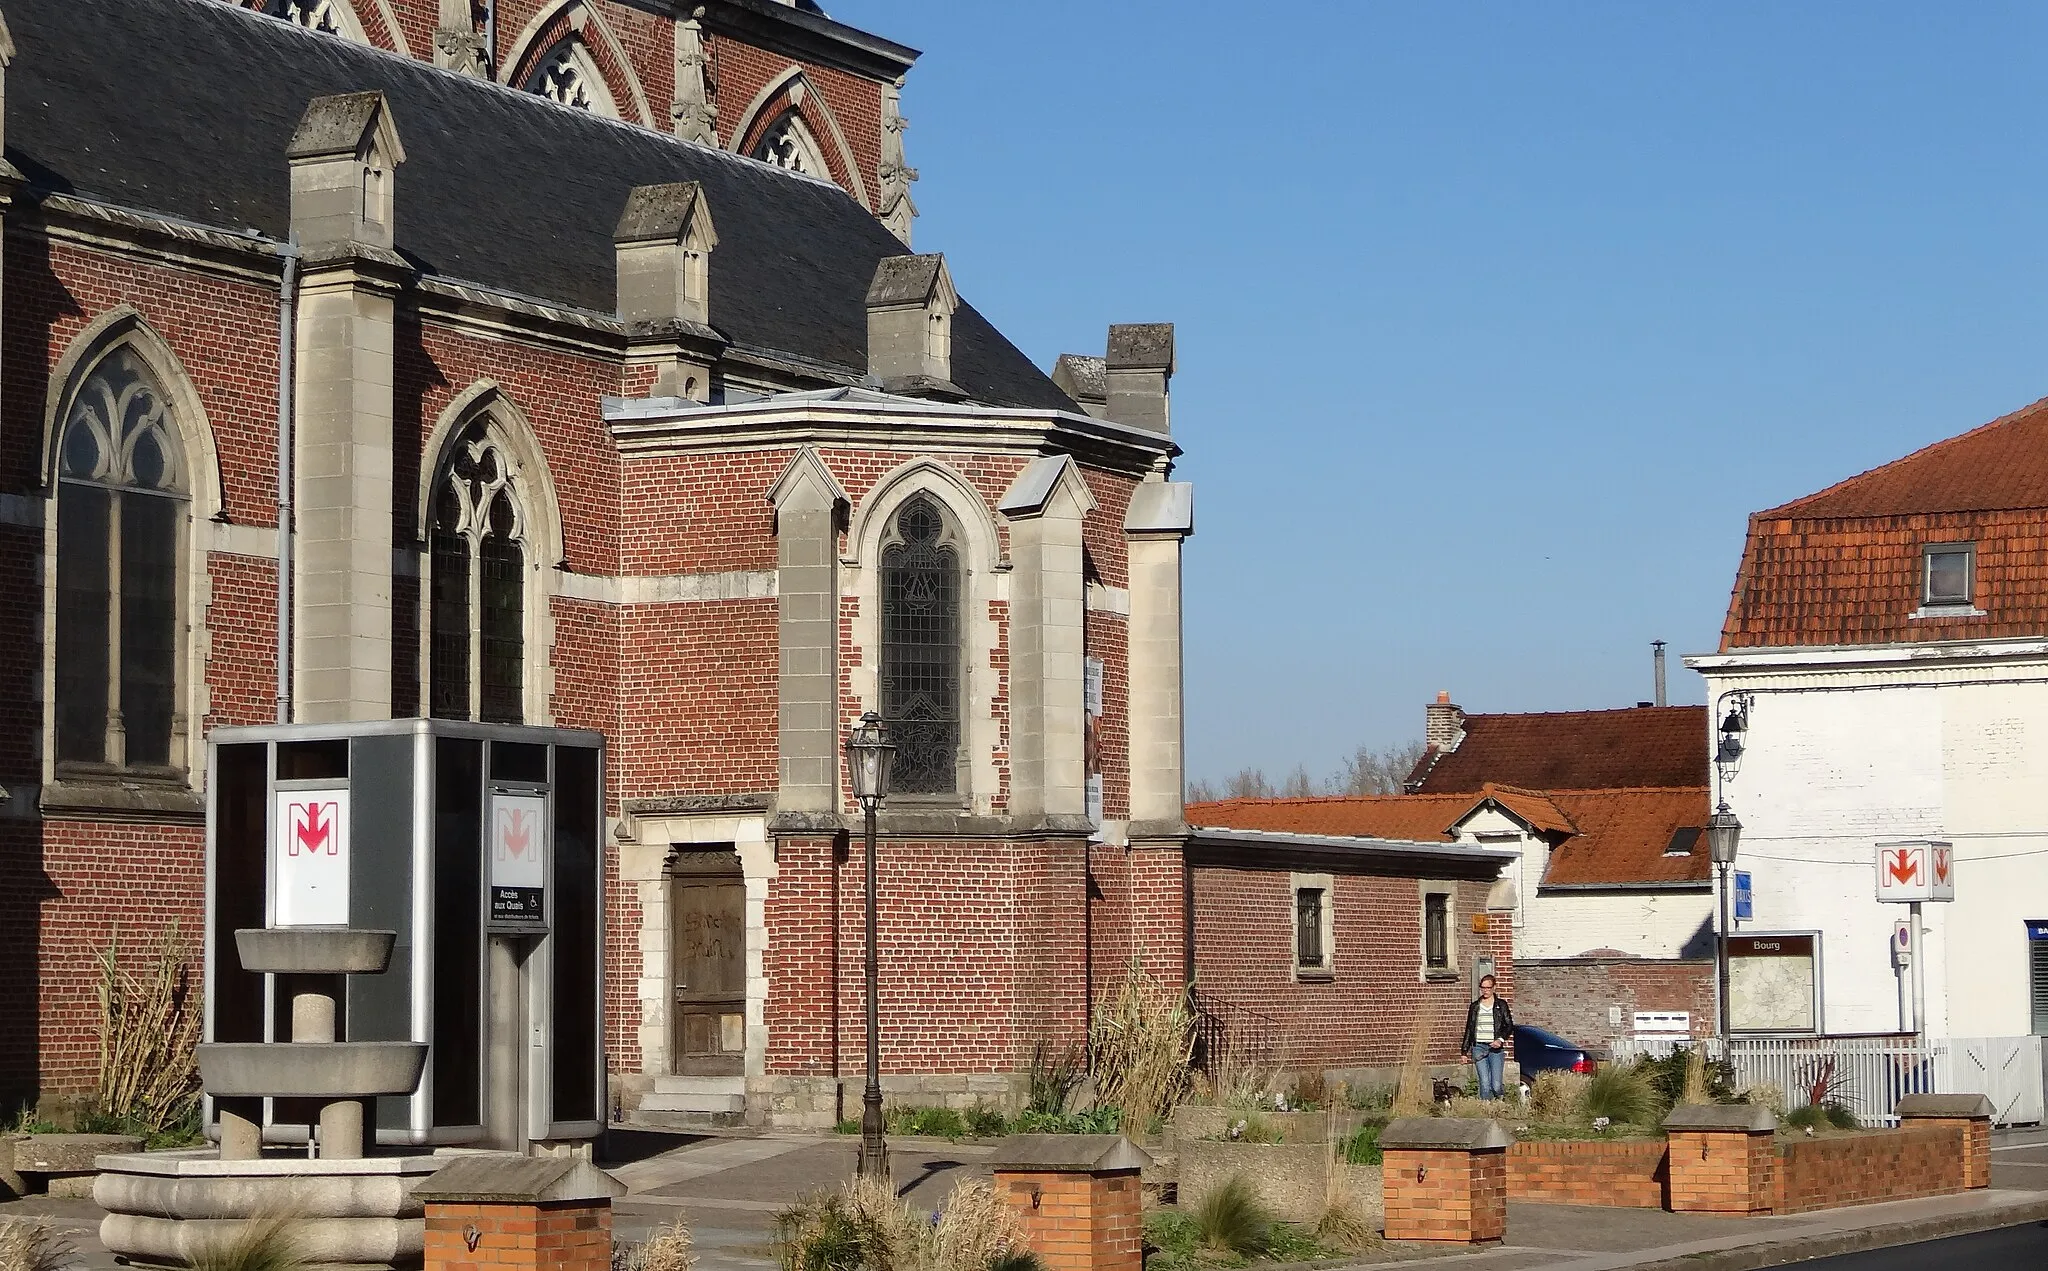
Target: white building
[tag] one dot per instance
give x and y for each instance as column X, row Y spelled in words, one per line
column 1886, row 652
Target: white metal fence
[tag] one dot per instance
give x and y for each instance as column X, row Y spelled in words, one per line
column 1868, row 1075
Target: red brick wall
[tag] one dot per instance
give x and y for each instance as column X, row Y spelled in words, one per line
column 1572, row 996
column 1135, row 916
column 1449, row 1196
column 1079, row 1222
column 1722, row 1173
column 1244, row 955
column 1860, row 1169
column 569, row 1235
column 742, row 71
column 1628, row 1174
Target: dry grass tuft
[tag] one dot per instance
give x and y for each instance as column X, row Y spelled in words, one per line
column 31, row 1244
column 1414, row 1096
column 1144, row 1046
column 149, row 1023
column 864, row 1227
column 1558, row 1098
column 270, row 1243
column 1696, row 1088
column 667, row 1248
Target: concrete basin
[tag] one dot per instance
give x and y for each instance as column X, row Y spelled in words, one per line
column 315, row 950
column 318, row 1070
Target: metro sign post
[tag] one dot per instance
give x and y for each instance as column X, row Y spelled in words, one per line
column 1912, row 872
column 519, row 836
column 310, row 858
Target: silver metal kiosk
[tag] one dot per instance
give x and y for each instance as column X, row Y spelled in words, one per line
column 481, row 846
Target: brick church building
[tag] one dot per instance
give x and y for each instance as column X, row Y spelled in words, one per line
column 616, row 401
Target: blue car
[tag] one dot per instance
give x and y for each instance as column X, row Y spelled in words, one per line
column 1539, row 1050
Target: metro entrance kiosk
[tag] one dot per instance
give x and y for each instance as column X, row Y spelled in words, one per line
column 480, row 845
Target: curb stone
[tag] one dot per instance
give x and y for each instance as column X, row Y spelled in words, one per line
column 1777, row 1253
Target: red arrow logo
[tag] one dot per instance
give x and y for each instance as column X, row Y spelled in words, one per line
column 1904, row 866
column 313, row 828
column 1941, row 864
column 518, row 834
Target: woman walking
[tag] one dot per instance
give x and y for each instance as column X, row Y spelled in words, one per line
column 1488, row 1025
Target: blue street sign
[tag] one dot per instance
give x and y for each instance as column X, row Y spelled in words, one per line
column 1745, row 909
column 2037, row 929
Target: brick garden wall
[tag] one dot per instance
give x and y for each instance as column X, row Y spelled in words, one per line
column 1573, row 997
column 1628, row 1174
column 1860, row 1169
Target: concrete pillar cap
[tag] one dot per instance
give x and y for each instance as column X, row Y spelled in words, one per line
column 1956, row 1107
column 1747, row 1118
column 1444, row 1134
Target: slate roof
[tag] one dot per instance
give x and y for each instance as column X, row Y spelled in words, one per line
column 1646, row 746
column 184, row 107
column 1843, row 566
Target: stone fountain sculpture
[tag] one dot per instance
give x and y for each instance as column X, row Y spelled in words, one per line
column 353, row 1209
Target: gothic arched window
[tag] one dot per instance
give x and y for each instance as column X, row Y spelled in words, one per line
column 920, row 595
column 477, row 618
column 122, row 499
column 788, row 143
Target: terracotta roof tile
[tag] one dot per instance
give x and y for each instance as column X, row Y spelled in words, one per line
column 1843, row 566
column 1624, row 835
column 1535, row 808
column 1647, row 746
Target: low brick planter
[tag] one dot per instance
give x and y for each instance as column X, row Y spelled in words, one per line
column 1445, row 1180
column 1862, row 1169
column 1724, row 1158
column 497, row 1210
column 1624, row 1173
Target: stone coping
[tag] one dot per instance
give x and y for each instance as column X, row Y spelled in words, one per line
column 503, row 1178
column 1068, row 1153
column 66, row 1153
column 205, row 1162
column 1447, row 1134
column 1954, row 1107
column 1744, row 1118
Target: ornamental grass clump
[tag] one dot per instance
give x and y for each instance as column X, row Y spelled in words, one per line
column 1233, row 1221
column 270, row 1243
column 148, row 1025
column 864, row 1227
column 1558, row 1098
column 1144, row 1045
column 1414, row 1096
column 1622, row 1094
column 667, row 1248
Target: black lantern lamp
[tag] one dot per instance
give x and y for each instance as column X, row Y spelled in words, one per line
column 1724, row 834
column 1733, row 726
column 869, row 757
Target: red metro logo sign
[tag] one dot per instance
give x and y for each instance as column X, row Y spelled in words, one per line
column 309, row 858
column 1916, row 870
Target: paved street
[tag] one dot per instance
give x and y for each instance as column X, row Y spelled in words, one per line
column 2007, row 1249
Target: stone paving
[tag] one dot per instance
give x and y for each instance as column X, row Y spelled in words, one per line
column 728, row 1188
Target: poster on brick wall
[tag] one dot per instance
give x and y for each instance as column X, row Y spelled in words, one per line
column 309, row 858
column 519, row 834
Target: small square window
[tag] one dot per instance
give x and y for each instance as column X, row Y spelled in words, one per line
column 1436, row 931
column 1949, row 575
column 1309, row 951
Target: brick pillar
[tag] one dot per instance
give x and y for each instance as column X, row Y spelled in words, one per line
column 1724, row 1159
column 1079, row 1197
column 1445, row 1180
column 497, row 1210
column 1969, row 1112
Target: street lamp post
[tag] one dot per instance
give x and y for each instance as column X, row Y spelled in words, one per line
column 1724, row 832
column 869, row 756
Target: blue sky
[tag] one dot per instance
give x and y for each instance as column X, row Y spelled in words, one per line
column 1495, row 320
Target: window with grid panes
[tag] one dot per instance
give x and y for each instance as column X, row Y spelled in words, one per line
column 1309, row 953
column 920, row 664
column 1436, row 931
column 122, row 501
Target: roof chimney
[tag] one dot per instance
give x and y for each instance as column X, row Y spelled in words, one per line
column 910, row 325
column 1443, row 725
column 1657, row 656
column 343, row 158
column 1136, row 373
column 1085, row 379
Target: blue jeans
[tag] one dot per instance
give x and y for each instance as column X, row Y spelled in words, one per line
column 1492, row 1065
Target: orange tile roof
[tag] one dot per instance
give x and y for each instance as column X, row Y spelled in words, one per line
column 1843, row 566
column 1602, row 837
column 1413, row 818
column 1646, row 746
column 1623, row 835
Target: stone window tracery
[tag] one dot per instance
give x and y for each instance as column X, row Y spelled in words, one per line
column 563, row 75
column 314, row 15
column 122, row 503
column 788, row 144
column 920, row 664
column 477, row 609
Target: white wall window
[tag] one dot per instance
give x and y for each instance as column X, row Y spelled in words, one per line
column 1314, row 925
column 1949, row 574
column 123, row 513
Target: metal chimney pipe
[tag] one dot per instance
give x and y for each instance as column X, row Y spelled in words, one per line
column 1657, row 654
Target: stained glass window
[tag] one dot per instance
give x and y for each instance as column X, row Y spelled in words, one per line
column 921, row 648
column 477, row 621
column 121, row 505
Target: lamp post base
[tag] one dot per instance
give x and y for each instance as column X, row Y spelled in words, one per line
column 874, row 1149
